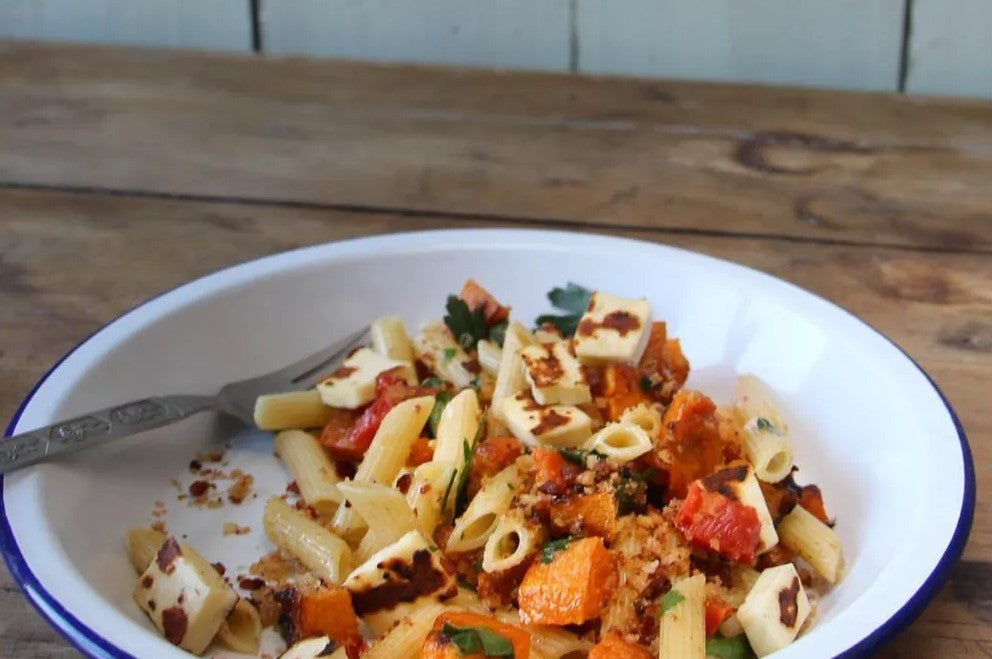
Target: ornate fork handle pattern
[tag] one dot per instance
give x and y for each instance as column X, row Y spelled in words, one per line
column 98, row 427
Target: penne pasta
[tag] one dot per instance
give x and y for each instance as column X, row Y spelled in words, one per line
column 511, row 542
column 311, row 468
column 548, row 641
column 816, row 542
column 385, row 512
column 646, row 418
column 622, row 441
column 292, row 409
column 322, row 552
column 241, row 631
column 490, row 356
column 683, row 626
column 386, row 454
column 765, row 434
column 142, row 546
column 406, row 638
column 459, row 424
column 510, row 378
column 389, row 339
column 479, row 520
column 430, row 481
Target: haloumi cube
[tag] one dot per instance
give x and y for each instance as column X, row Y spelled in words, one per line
column 184, row 596
column 439, row 351
column 774, row 610
column 739, row 481
column 613, row 329
column 553, row 425
column 406, row 571
column 353, row 385
column 555, row 374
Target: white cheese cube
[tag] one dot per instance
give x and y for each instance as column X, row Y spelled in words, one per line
column 184, row 596
column 555, row 374
column 774, row 610
column 436, row 348
column 554, row 425
column 613, row 329
column 353, row 385
column 739, row 481
column 406, row 571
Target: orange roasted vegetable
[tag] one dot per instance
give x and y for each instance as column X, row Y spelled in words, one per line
column 476, row 296
column 716, row 612
column 553, row 474
column 690, row 446
column 328, row 611
column 621, row 389
column 438, row 646
column 663, row 365
column 492, row 455
column 587, row 514
column 420, row 452
column 612, row 646
column 572, row 588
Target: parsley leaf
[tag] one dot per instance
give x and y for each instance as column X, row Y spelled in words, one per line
column 574, row 299
column 449, row 354
column 433, row 383
column 631, row 491
column 670, row 599
column 577, row 455
column 461, row 492
column 467, row 326
column 478, row 640
column 440, row 402
column 447, row 491
column 497, row 333
column 549, row 550
column 735, row 647
column 767, row 426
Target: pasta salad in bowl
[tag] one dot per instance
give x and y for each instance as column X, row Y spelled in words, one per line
column 515, row 465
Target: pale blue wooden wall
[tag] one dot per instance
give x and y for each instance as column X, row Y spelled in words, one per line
column 919, row 46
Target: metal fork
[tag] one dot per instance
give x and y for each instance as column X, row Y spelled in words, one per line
column 235, row 398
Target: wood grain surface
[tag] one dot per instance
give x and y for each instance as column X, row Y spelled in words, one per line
column 110, row 160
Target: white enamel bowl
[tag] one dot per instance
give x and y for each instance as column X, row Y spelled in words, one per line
column 868, row 425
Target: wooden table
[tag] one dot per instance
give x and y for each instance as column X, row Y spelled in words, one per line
column 126, row 172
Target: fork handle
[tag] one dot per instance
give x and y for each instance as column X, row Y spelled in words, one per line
column 97, row 428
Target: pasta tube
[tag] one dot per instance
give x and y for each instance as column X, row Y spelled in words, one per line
column 242, row 629
column 311, row 468
column 292, row 409
column 765, row 434
column 816, row 542
column 435, row 347
column 510, row 378
column 322, row 552
column 622, row 441
column 385, row 512
column 511, row 542
column 682, row 630
column 490, row 356
column 430, row 481
column 386, row 454
column 479, row 520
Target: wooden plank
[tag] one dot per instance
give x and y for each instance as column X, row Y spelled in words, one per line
column 516, row 34
column 850, row 44
column 938, row 306
column 950, row 48
column 807, row 164
column 213, row 24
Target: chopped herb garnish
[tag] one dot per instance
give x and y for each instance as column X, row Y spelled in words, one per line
column 475, row 383
column 766, row 425
column 646, row 383
column 466, row 325
column 631, row 491
column 433, row 383
column 478, row 640
column 440, row 402
column 461, row 493
column 449, row 354
column 735, row 647
column 447, row 491
column 670, row 599
column 497, row 333
column 549, row 550
column 573, row 299
column 577, row 455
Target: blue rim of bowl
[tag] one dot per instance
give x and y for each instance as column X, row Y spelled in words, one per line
column 92, row 644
